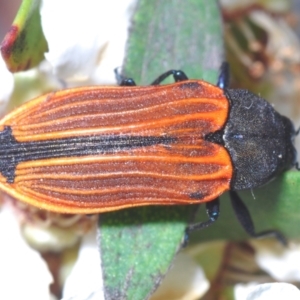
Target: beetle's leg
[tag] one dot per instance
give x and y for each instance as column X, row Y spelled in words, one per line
column 123, row 81
column 177, row 75
column 224, row 78
column 245, row 220
column 212, row 210
column 127, row 82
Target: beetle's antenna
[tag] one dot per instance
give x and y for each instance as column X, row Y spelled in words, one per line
column 224, row 76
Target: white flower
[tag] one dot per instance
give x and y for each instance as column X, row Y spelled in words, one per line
column 178, row 284
column 85, row 280
column 23, row 272
column 267, row 291
column 283, row 264
column 86, row 39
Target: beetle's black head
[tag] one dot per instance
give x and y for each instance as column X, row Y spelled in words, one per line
column 258, row 139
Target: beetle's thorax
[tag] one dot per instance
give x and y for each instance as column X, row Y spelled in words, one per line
column 258, row 139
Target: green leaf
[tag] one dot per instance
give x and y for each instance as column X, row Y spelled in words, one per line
column 24, row 45
column 184, row 35
column 138, row 245
column 273, row 206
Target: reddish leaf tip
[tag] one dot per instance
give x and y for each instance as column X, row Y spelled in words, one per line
column 8, row 42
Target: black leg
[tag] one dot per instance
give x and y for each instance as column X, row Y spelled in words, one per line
column 224, row 78
column 127, row 82
column 245, row 220
column 123, row 81
column 212, row 210
column 177, row 75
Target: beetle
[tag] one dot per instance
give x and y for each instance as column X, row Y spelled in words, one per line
column 103, row 148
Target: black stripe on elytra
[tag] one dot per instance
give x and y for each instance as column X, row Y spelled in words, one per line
column 13, row 152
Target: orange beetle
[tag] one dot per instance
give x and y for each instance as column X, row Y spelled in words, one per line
column 98, row 149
